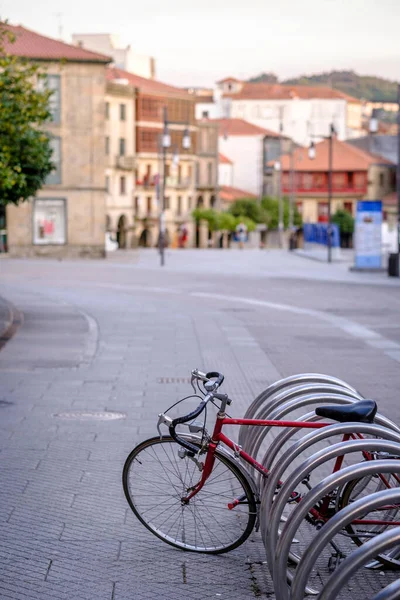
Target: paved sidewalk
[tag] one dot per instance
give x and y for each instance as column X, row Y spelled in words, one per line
column 106, row 337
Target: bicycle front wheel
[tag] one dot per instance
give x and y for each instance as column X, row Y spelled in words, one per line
column 157, row 476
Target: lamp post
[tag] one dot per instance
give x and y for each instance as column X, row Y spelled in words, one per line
column 398, row 180
column 166, row 143
column 311, row 155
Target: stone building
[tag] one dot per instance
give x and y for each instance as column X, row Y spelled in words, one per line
column 67, row 217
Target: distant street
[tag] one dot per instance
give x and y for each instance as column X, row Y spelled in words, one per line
column 122, row 335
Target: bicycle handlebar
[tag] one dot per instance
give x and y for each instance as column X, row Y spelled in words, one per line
column 212, row 382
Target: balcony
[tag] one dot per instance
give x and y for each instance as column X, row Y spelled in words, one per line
column 147, row 183
column 323, row 190
column 126, row 163
column 178, row 184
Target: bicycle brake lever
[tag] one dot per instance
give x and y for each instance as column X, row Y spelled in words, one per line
column 163, row 420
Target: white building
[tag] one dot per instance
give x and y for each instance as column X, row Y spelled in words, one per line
column 225, row 171
column 123, row 58
column 303, row 112
column 242, row 143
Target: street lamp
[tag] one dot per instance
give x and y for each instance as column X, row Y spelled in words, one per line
column 166, row 143
column 311, row 155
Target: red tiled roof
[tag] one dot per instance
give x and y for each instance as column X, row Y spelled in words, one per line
column 278, row 91
column 224, row 160
column 147, row 85
column 231, row 194
column 240, row 127
column 345, row 157
column 29, row 44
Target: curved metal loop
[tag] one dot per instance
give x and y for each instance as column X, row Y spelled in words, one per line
column 293, row 380
column 381, row 543
column 280, row 412
column 324, row 487
column 271, row 509
column 320, row 399
column 390, row 592
column 290, row 393
column 329, row 530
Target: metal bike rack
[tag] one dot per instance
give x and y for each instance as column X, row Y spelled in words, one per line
column 382, row 542
column 390, row 592
column 271, row 510
column 294, row 393
column 268, row 505
column 286, row 388
column 318, row 399
column 330, row 529
column 299, row 402
column 323, row 488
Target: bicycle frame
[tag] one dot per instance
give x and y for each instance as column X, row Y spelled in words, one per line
column 219, row 437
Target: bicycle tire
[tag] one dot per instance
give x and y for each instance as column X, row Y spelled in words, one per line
column 391, row 560
column 155, row 464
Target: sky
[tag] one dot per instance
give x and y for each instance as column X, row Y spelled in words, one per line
column 195, row 43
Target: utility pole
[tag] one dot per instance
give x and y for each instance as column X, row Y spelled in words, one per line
column 280, row 201
column 329, row 230
column 398, row 179
column 165, row 143
column 292, row 186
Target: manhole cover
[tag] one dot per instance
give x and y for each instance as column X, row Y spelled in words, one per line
column 89, row 415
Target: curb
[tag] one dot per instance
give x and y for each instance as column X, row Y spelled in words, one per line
column 15, row 320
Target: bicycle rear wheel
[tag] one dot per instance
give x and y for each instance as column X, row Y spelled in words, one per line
column 362, row 532
column 156, row 478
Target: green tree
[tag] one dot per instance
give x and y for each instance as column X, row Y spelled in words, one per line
column 250, row 209
column 344, row 220
column 25, row 152
column 271, row 207
column 207, row 214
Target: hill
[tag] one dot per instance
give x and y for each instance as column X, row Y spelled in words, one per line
column 365, row 87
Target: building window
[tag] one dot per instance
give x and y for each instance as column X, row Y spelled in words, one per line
column 179, row 211
column 107, row 110
column 122, row 112
column 381, row 179
column 107, row 145
column 359, row 180
column 307, row 181
column 210, row 174
column 322, row 212
column 49, row 222
column 54, row 177
column 166, row 203
column 122, row 146
column 205, row 114
column 179, row 173
column 122, row 186
column 189, row 202
column 149, row 203
column 52, row 83
column 350, row 179
column 197, row 173
column 167, row 170
column 136, row 204
column 107, row 184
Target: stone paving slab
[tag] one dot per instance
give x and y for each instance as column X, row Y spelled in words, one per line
column 65, row 528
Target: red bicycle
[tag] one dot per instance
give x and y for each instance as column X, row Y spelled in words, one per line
column 193, row 490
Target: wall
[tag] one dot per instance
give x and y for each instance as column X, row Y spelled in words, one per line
column 225, row 174
column 301, row 118
column 246, row 154
column 124, row 58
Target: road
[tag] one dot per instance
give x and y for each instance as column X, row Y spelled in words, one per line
column 122, row 336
